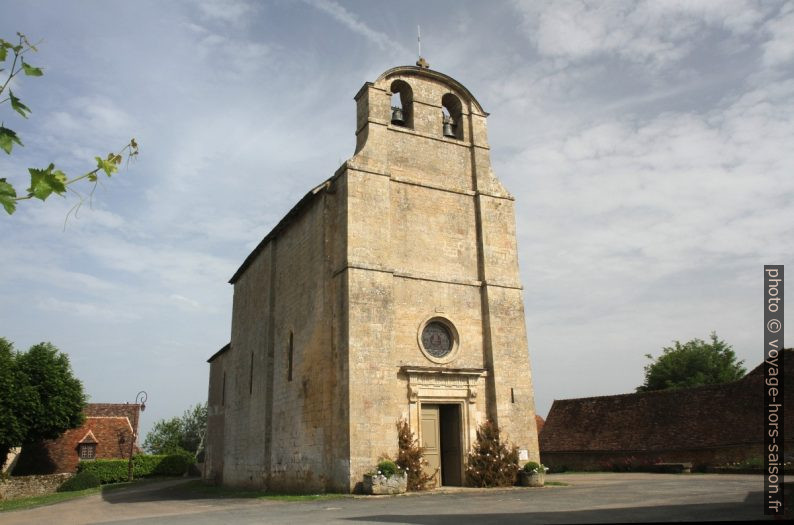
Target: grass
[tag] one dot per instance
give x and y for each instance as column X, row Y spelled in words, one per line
column 557, row 483
column 57, row 497
column 198, row 489
column 46, row 499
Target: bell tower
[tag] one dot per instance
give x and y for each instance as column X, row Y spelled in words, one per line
column 433, row 280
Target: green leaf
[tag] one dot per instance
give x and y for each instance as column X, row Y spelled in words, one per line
column 8, row 196
column 32, row 71
column 7, row 138
column 108, row 165
column 3, row 51
column 17, row 105
column 45, row 182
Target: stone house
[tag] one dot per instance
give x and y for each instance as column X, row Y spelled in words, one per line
column 389, row 291
column 708, row 425
column 105, row 434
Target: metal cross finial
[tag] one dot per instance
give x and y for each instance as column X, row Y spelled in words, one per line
column 421, row 62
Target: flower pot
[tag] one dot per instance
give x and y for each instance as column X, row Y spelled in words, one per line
column 380, row 484
column 532, row 479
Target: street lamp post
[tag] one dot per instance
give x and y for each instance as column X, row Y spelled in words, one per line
column 140, row 399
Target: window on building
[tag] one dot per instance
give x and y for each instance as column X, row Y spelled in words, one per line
column 289, row 358
column 251, row 376
column 452, row 117
column 87, row 450
column 402, row 105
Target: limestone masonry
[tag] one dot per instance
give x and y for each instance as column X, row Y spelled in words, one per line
column 389, row 291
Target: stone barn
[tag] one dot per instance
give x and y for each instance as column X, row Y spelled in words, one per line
column 389, row 291
column 710, row 425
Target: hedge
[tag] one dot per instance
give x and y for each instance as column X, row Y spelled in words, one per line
column 115, row 470
column 82, row 481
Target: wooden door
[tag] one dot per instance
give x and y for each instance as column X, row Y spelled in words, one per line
column 431, row 440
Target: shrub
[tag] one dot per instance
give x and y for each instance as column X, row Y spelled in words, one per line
column 144, row 465
column 387, row 468
column 106, row 470
column 174, row 465
column 411, row 459
column 492, row 463
column 80, row 481
column 532, row 466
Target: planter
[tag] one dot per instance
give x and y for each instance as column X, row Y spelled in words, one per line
column 379, row 484
column 532, row 479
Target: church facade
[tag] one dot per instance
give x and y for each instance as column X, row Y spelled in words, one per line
column 390, row 291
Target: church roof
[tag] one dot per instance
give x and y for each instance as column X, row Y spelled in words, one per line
column 226, row 347
column 283, row 223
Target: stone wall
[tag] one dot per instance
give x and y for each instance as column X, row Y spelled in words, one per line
column 637, row 460
column 281, row 423
column 25, row 486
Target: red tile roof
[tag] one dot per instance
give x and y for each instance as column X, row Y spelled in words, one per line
column 692, row 418
column 108, row 425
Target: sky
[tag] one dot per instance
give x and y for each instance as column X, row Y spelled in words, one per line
column 649, row 146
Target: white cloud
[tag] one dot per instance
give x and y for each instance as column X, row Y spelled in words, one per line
column 233, row 11
column 92, row 311
column 354, row 23
column 653, row 33
column 779, row 49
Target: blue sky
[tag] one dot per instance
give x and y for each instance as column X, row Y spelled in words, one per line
column 648, row 144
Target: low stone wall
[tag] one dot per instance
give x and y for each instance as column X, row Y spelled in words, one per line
column 642, row 460
column 17, row 487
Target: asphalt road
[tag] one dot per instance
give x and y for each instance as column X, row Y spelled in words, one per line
column 589, row 498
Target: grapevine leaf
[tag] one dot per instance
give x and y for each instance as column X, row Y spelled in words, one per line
column 17, row 105
column 44, row 182
column 109, row 165
column 7, row 138
column 8, row 196
column 32, row 71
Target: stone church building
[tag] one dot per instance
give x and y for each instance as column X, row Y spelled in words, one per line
column 390, row 291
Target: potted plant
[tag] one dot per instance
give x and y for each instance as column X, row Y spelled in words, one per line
column 533, row 475
column 387, row 478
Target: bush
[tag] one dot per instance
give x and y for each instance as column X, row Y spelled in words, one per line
column 144, row 465
column 493, row 462
column 106, row 470
column 173, row 465
column 387, row 467
column 411, row 459
column 81, row 481
column 532, row 466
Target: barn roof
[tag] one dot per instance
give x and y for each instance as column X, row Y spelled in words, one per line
column 689, row 418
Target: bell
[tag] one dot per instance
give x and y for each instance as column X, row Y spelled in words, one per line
column 449, row 127
column 397, row 116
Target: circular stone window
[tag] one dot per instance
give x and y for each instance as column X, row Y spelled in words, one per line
column 438, row 339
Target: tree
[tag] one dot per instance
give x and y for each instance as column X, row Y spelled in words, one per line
column 693, row 363
column 492, row 462
column 39, row 396
column 43, row 181
column 179, row 434
column 410, row 457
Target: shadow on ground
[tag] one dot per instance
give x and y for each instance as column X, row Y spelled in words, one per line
column 749, row 509
column 174, row 489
